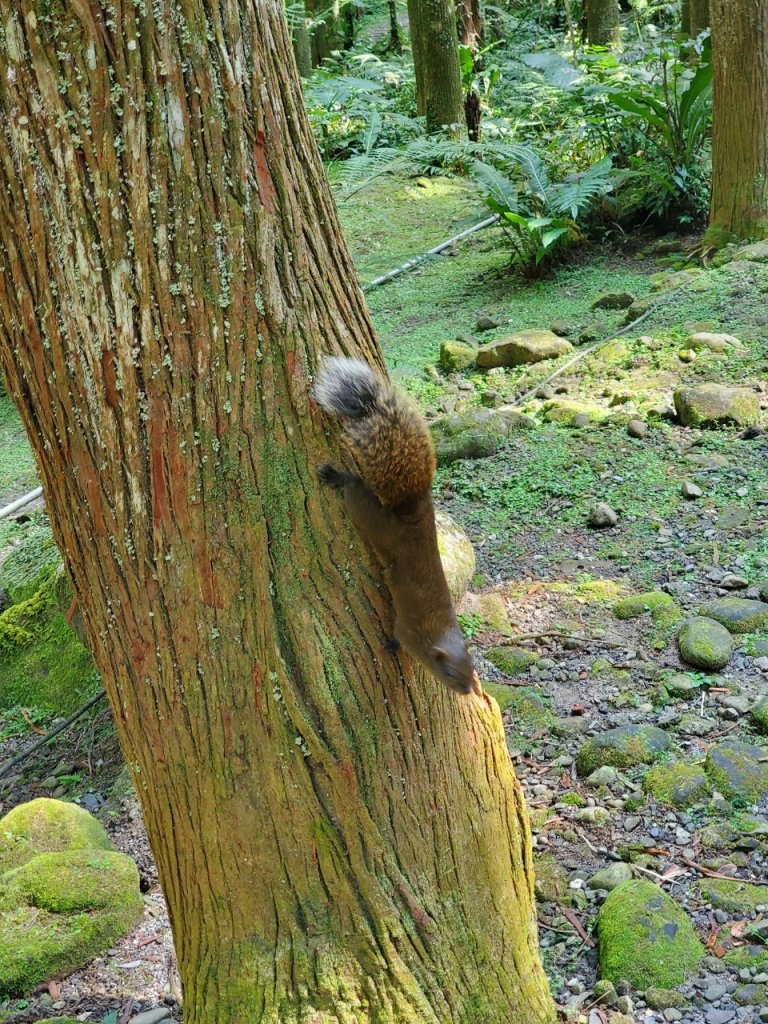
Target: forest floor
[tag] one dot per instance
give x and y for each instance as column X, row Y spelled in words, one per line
column 547, row 585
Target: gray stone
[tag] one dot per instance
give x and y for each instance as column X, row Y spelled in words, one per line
column 487, row 323
column 610, row 877
column 696, row 725
column 152, row 1016
column 681, row 685
column 720, row 1016
column 624, row 747
column 637, row 428
column 714, row 342
column 691, row 491
column 714, row 992
column 737, row 614
column 705, row 643
column 604, row 776
column 733, row 582
column 714, row 405
column 602, row 516
column 529, row 346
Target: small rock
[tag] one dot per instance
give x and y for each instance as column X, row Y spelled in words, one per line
column 152, row 1016
column 602, row 516
column 737, row 614
column 610, row 877
column 690, row 490
column 720, row 1016
column 637, row 428
column 738, row 770
column 604, row 776
column 714, row 992
column 733, row 582
column 714, row 405
column 529, row 346
column 487, row 323
column 613, row 300
column 705, row 643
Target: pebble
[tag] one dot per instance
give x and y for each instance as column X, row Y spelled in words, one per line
column 637, row 428
column 152, row 1016
column 602, row 516
column 691, row 490
column 720, row 1016
column 715, row 992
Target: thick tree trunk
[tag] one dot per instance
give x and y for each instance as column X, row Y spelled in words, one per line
column 602, row 21
column 435, row 45
column 302, row 44
column 339, row 838
column 739, row 204
column 471, row 31
column 698, row 16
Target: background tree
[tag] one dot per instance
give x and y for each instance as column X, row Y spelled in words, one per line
column 325, row 28
column 471, row 30
column 334, row 832
column 395, row 42
column 739, row 203
column 698, row 15
column 435, row 46
column 302, row 43
column 602, row 22
column 685, row 17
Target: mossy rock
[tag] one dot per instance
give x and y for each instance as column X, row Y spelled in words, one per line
column 30, row 564
column 529, row 709
column 624, row 747
column 646, row 939
column 492, row 610
column 747, row 956
column 456, row 356
column 531, row 346
column 665, row 999
column 501, row 694
column 456, row 554
column 676, row 784
column 59, row 1020
column 65, row 893
column 734, row 897
column 512, row 660
column 566, row 411
column 738, row 770
column 680, row 684
column 47, row 826
column 43, row 663
column 705, row 643
column 61, row 909
column 476, row 434
column 614, row 352
column 759, row 715
column 638, row 604
column 737, row 614
column 715, row 405
column 551, row 880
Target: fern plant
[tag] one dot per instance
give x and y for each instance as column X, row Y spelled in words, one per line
column 541, row 217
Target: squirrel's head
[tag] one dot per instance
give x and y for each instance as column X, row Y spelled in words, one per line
column 451, row 662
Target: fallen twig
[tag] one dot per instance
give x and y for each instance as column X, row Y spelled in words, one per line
column 571, row 918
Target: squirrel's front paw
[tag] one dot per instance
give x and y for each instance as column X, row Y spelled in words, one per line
column 330, row 476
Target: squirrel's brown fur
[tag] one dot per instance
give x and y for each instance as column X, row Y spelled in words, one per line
column 390, row 504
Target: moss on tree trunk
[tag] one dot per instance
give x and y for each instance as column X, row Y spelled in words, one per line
column 339, row 838
column 739, row 204
column 602, row 22
column 435, row 47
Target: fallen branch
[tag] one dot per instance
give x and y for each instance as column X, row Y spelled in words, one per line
column 8, row 765
column 25, row 499
column 571, row 918
column 719, row 874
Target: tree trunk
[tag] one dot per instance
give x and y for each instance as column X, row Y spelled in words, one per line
column 739, row 204
column 685, row 17
column 471, row 32
column 602, row 20
column 699, row 16
column 324, row 33
column 395, row 44
column 302, row 44
column 435, row 45
column 338, row 837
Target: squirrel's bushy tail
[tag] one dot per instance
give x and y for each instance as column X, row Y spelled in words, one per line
column 386, row 430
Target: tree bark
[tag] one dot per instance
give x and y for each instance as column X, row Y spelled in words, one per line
column 602, row 21
column 302, row 44
column 324, row 34
column 698, row 16
column 395, row 43
column 685, row 17
column 739, row 203
column 435, row 46
column 471, row 30
column 339, row 838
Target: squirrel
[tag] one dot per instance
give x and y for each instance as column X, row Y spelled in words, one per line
column 390, row 504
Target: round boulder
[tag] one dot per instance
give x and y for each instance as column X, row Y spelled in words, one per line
column 624, row 747
column 705, row 643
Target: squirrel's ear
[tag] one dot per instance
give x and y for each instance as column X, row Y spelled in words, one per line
column 439, row 654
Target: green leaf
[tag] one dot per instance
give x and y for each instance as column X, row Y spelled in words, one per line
column 550, row 237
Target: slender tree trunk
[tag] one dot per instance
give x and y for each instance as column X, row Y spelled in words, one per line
column 471, row 29
column 302, row 44
column 698, row 15
column 685, row 17
column 435, row 45
column 339, row 838
column 324, row 32
column 395, row 44
column 739, row 204
column 602, row 20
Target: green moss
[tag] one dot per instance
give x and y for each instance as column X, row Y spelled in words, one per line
column 625, row 747
column 501, row 694
column 646, row 939
column 47, row 826
column 456, row 356
column 676, row 784
column 31, row 563
column 512, row 660
column 747, row 956
column 705, row 644
column 573, row 800
column 528, row 709
column 735, row 897
column 639, row 604
column 759, row 715
column 738, row 770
